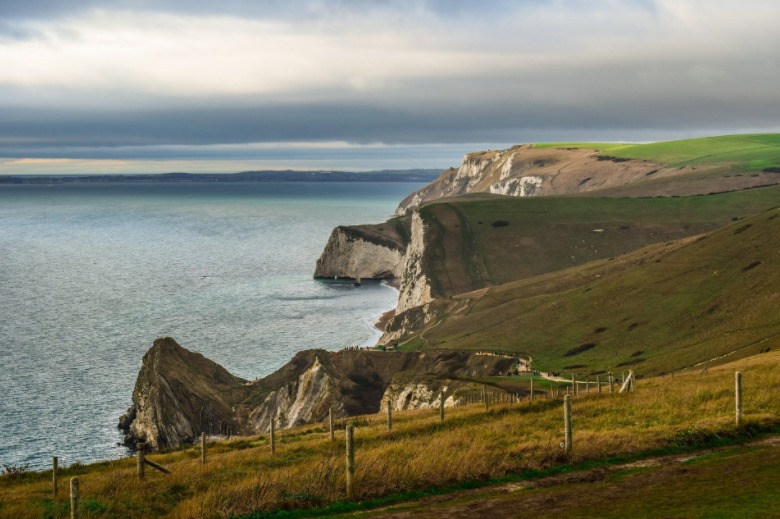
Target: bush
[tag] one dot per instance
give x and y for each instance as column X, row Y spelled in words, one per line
column 15, row 471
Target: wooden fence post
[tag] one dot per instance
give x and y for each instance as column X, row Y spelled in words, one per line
column 587, row 387
column 350, row 461
column 54, row 476
column 598, row 384
column 389, row 416
column 567, row 442
column 273, row 436
column 611, row 383
column 74, row 498
column 573, row 384
column 330, row 422
column 441, row 407
column 532, row 388
column 139, row 457
column 627, row 383
column 484, row 397
column 632, row 376
column 738, row 396
column 203, row 448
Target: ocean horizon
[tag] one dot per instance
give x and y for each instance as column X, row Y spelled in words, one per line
column 91, row 274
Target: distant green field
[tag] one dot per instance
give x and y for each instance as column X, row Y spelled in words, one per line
column 751, row 152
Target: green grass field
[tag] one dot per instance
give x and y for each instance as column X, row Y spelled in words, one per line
column 750, row 152
column 655, row 310
column 475, row 244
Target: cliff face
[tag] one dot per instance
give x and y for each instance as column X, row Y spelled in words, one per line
column 415, row 288
column 528, row 171
column 179, row 394
column 364, row 252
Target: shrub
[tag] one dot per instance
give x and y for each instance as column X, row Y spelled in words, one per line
column 15, row 471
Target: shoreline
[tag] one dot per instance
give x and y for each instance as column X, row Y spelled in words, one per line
column 378, row 322
column 381, row 321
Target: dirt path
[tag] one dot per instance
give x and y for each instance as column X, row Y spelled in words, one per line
column 598, row 487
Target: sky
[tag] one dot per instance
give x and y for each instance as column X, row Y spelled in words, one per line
column 123, row 86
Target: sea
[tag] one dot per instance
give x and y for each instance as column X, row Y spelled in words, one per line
column 92, row 273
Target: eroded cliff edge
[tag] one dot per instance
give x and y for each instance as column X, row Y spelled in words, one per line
column 365, row 251
column 179, row 393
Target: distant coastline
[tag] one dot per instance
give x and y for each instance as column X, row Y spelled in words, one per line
column 409, row 175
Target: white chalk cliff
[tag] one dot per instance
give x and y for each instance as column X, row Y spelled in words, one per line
column 353, row 254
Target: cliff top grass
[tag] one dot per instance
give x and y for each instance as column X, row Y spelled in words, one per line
column 476, row 244
column 671, row 305
column 471, row 448
column 750, row 152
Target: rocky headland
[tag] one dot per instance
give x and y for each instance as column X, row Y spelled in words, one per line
column 365, row 252
column 179, row 394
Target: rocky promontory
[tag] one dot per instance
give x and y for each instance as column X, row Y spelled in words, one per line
column 365, row 251
column 179, row 394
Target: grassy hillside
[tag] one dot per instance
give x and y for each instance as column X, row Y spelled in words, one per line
column 479, row 243
column 749, row 152
column 472, row 447
column 685, row 485
column 665, row 307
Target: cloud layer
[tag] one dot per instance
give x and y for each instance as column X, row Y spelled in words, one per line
column 108, row 75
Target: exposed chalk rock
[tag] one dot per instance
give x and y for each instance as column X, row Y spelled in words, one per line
column 354, row 253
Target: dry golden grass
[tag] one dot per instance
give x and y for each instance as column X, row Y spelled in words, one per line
column 241, row 475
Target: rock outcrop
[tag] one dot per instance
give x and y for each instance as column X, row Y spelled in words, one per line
column 179, row 394
column 364, row 252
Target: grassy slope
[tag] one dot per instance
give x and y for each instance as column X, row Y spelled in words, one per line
column 654, row 310
column 545, row 234
column 749, row 152
column 472, row 445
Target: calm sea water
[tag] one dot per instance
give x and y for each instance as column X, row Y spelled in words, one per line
column 91, row 274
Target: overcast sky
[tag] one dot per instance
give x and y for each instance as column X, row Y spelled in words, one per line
column 196, row 85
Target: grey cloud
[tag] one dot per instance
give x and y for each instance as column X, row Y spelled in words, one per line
column 626, row 90
column 685, row 94
column 501, row 120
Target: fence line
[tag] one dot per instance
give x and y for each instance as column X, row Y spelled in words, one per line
column 471, row 398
